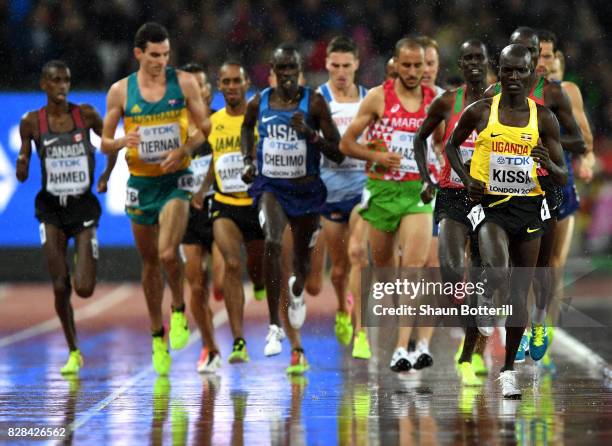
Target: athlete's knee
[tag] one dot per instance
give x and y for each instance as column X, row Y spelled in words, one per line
column 233, row 265
column 85, row 287
column 61, row 288
column 338, row 275
column 357, row 255
column 168, row 256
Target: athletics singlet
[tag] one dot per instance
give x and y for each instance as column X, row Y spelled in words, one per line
column 225, row 142
column 346, row 180
column 395, row 131
column 502, row 155
column 449, row 178
column 163, row 126
column 67, row 159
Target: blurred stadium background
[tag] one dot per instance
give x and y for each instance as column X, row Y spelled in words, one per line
column 95, row 39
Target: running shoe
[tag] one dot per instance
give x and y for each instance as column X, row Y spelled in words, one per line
column 467, row 399
column 400, row 361
column 297, row 306
column 298, row 365
column 468, row 375
column 343, row 328
column 209, row 362
column 239, row 352
column 479, row 365
column 538, row 343
column 74, row 363
column 259, row 294
column 273, row 340
column 361, row 346
column 485, row 322
column 521, row 353
column 179, row 330
column 509, row 384
column 547, row 363
column 161, row 357
column 422, row 357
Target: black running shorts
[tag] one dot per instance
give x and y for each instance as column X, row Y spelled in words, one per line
column 245, row 217
column 72, row 214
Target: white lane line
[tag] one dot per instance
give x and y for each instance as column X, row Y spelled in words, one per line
column 581, row 353
column 219, row 319
column 98, row 306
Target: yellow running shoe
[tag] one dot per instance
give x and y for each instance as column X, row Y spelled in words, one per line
column 179, row 330
column 239, row 352
column 74, row 363
column 361, row 346
column 468, row 377
column 478, row 365
column 298, row 365
column 259, row 294
column 161, row 357
column 343, row 328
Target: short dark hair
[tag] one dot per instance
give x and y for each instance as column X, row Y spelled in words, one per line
column 548, row 36
column 57, row 64
column 342, row 44
column 287, row 48
column 427, row 42
column 192, row 67
column 234, row 63
column 407, row 42
column 150, row 32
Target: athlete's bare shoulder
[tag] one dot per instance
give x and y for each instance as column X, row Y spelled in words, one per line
column 29, row 123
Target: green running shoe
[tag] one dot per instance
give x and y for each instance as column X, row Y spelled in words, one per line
column 260, row 294
column 468, row 377
column 478, row 365
column 161, row 357
column 74, row 363
column 239, row 352
column 343, row 328
column 179, row 330
column 361, row 346
column 298, row 365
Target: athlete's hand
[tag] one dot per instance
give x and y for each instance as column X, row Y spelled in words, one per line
column 103, row 183
column 133, row 138
column 584, row 167
column 248, row 171
column 540, row 155
column 427, row 192
column 173, row 160
column 21, row 169
column 476, row 189
column 299, row 125
column 390, row 160
column 197, row 200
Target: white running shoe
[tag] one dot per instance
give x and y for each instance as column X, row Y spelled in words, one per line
column 400, row 361
column 273, row 340
column 297, row 307
column 209, row 362
column 509, row 384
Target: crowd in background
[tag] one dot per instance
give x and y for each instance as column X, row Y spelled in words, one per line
column 96, row 40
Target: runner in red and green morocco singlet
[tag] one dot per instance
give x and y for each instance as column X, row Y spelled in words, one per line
column 392, row 113
column 452, row 201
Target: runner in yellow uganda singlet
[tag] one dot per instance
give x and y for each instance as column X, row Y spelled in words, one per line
column 502, row 160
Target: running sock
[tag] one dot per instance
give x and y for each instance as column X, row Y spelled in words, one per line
column 180, row 309
column 159, row 333
column 538, row 315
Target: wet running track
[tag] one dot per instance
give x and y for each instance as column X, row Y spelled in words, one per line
column 118, row 399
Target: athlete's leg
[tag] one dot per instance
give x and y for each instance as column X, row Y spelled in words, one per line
column 314, row 281
column 425, row 331
column 146, row 239
column 274, row 225
column 86, row 246
column 218, row 271
column 287, row 268
column 358, row 257
column 55, row 247
column 255, row 253
column 336, row 239
column 197, row 277
column 414, row 237
column 229, row 238
column 173, row 220
column 303, row 229
column 543, row 285
column 452, row 250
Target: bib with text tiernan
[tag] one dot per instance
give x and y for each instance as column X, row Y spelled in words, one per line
column 156, row 141
column 502, row 155
column 284, row 153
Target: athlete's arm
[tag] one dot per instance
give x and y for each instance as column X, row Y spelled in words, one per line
column 26, row 131
column 197, row 200
column 371, row 109
column 94, row 122
column 114, row 112
column 319, row 110
column 198, row 111
column 560, row 104
column 550, row 153
column 247, row 139
column 584, row 170
column 437, row 113
column 473, row 115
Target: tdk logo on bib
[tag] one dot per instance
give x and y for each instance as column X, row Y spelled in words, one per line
column 161, row 130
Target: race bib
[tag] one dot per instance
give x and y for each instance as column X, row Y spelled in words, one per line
column 187, row 182
column 365, row 199
column 511, row 174
column 476, row 216
column 284, row 159
column 228, row 168
column 131, row 197
column 402, row 142
column 199, row 167
column 67, row 176
column 156, row 141
column 466, row 155
column 349, row 164
column 544, row 211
